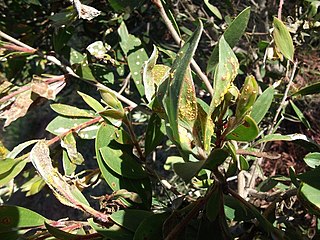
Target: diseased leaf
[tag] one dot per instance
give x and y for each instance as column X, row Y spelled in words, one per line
column 178, row 106
column 283, row 39
column 13, row 218
column 247, row 97
column 148, row 79
column 67, row 194
column 136, row 55
column 18, row 108
column 71, row 111
column 232, row 35
column 69, row 143
column 246, row 131
column 262, row 105
column 97, row 49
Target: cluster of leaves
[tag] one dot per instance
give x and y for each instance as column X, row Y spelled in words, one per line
column 217, row 140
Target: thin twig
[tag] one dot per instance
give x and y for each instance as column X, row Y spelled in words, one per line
column 178, row 40
column 68, row 69
column 280, row 9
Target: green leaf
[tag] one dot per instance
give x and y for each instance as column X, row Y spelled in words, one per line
column 262, row 105
column 283, row 39
column 14, row 217
column 247, row 131
column 213, row 204
column 59, row 234
column 116, row 182
column 308, row 90
column 187, row 170
column 154, row 133
column 151, row 227
column 76, row 57
column 71, row 111
column 216, row 157
column 122, row 163
column 244, row 165
column 312, row 159
column 93, row 103
column 309, row 196
column 60, row 125
column 311, row 177
column 302, row 139
column 97, row 49
column 136, row 55
column 213, row 9
column 16, row 168
column 125, row 5
column 68, row 166
column 130, row 218
column 177, row 75
column 114, row 232
column 171, row 160
column 232, row 35
column 18, row 149
column 300, row 115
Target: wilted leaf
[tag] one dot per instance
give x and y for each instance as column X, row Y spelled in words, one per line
column 60, row 234
column 283, row 39
column 18, row 108
column 84, row 11
column 67, row 194
column 69, row 143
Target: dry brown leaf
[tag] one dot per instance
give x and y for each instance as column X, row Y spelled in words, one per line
column 18, row 108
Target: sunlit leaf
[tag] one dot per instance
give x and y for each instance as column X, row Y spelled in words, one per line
column 232, row 35
column 148, row 79
column 309, row 196
column 247, row 131
column 176, row 90
column 71, row 111
column 68, row 142
column 262, row 105
column 312, row 159
column 213, row 9
column 283, row 39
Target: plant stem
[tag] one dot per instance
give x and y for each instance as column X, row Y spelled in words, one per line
column 179, row 41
